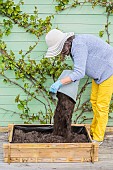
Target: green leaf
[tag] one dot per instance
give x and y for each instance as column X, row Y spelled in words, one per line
column 22, row 2
column 2, row 45
column 9, row 11
column 11, row 53
column 17, row 99
column 2, row 66
column 7, row 32
column 15, row 12
column 20, row 107
column 17, row 8
column 101, row 33
column 5, row 81
column 26, row 85
column 57, row 8
column 32, row 17
column 20, row 52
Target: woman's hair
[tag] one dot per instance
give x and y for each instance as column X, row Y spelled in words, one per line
column 67, row 47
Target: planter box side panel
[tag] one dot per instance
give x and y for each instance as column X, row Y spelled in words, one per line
column 28, row 153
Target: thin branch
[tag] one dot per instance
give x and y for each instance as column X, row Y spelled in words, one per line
column 27, row 92
column 7, row 110
column 107, row 28
column 15, row 64
column 83, row 109
column 29, row 78
column 75, row 121
column 85, row 119
column 81, row 91
column 30, row 50
column 82, row 105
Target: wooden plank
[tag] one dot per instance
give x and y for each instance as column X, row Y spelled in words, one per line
column 35, row 150
column 50, row 9
column 7, row 100
column 109, row 129
column 45, row 160
column 33, row 160
column 49, row 145
column 70, row 19
column 49, row 152
column 24, row 36
column 29, row 2
column 3, row 129
column 25, row 45
column 68, row 155
column 10, row 131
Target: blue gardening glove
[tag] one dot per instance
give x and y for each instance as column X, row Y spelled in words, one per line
column 55, row 86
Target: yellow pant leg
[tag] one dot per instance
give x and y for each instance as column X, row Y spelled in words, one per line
column 105, row 91
column 94, row 94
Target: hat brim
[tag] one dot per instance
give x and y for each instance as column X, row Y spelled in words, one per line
column 56, row 49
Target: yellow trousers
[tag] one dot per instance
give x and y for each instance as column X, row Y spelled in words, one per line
column 100, row 98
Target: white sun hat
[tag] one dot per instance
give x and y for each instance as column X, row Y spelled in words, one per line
column 55, row 40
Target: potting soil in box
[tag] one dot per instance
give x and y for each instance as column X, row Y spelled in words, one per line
column 44, row 134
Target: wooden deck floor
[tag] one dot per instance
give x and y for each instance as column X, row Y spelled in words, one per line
column 105, row 159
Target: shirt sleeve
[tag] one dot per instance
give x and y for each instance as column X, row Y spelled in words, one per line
column 79, row 53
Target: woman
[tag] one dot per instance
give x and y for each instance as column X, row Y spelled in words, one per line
column 92, row 57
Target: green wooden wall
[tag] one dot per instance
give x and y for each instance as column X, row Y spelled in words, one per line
column 80, row 20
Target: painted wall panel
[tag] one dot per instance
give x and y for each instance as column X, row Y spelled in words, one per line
column 81, row 20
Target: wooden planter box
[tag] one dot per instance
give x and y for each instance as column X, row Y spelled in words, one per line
column 49, row 152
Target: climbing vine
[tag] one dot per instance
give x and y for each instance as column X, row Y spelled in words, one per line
column 108, row 5
column 31, row 77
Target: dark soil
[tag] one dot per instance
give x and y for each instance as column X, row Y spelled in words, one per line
column 62, row 131
column 39, row 137
column 63, row 115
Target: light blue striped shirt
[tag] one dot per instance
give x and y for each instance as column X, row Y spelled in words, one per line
column 93, row 57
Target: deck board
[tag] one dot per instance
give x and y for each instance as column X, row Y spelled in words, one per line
column 105, row 159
